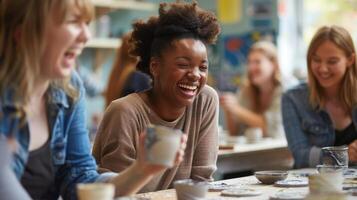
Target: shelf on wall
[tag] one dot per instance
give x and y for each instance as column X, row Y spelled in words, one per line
column 124, row 4
column 104, row 43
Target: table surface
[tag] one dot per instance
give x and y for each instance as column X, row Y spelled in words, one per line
column 267, row 191
column 264, row 144
column 266, row 154
column 250, row 181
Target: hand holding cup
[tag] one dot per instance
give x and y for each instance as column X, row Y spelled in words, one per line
column 161, row 148
column 228, row 100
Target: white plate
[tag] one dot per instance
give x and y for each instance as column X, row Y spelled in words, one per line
column 288, row 195
column 292, row 183
column 240, row 192
column 217, row 187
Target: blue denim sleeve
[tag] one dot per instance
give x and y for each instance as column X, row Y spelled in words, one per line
column 80, row 166
column 10, row 187
column 298, row 142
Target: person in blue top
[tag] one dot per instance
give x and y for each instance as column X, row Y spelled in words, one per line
column 124, row 78
column 42, row 102
column 323, row 111
column 10, row 188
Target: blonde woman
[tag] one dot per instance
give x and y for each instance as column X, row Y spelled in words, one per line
column 258, row 101
column 323, row 111
column 42, row 100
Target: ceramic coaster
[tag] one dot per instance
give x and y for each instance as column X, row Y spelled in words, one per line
column 302, row 174
column 288, row 195
column 292, row 183
column 240, row 192
column 217, row 187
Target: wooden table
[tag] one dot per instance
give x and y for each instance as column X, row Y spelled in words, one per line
column 250, row 181
column 267, row 191
column 265, row 155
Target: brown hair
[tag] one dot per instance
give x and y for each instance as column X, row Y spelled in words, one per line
column 269, row 50
column 22, row 26
column 124, row 65
column 175, row 21
column 343, row 40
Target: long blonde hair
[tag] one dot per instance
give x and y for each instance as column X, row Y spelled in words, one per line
column 343, row 40
column 22, row 26
column 269, row 50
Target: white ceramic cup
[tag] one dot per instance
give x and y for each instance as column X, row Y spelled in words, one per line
column 162, row 144
column 189, row 189
column 95, row 191
column 253, row 135
column 329, row 181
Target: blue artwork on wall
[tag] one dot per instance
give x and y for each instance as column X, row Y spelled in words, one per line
column 236, row 47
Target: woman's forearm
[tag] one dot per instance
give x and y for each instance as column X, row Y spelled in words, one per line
column 131, row 180
column 231, row 123
column 249, row 118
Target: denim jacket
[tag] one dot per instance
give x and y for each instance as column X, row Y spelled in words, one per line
column 70, row 146
column 307, row 130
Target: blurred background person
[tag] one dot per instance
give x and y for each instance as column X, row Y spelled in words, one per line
column 323, row 112
column 257, row 102
column 124, row 78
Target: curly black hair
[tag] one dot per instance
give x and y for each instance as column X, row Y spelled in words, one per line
column 175, row 21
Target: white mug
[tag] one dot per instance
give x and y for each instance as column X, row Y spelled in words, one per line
column 95, row 191
column 162, row 144
column 330, row 181
column 253, row 135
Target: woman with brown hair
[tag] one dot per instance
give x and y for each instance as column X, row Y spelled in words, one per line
column 172, row 50
column 258, row 101
column 124, row 78
column 323, row 112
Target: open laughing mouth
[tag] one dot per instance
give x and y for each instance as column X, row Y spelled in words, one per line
column 70, row 57
column 188, row 90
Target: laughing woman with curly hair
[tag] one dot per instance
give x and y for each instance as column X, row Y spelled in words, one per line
column 172, row 49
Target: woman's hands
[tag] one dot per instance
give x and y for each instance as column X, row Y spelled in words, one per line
column 132, row 179
column 352, row 151
column 228, row 101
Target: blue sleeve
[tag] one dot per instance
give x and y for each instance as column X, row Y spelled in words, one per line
column 80, row 166
column 305, row 155
column 92, row 87
column 10, row 187
column 136, row 82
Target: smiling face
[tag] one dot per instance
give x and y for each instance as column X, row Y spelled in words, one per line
column 329, row 64
column 260, row 68
column 63, row 42
column 181, row 72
